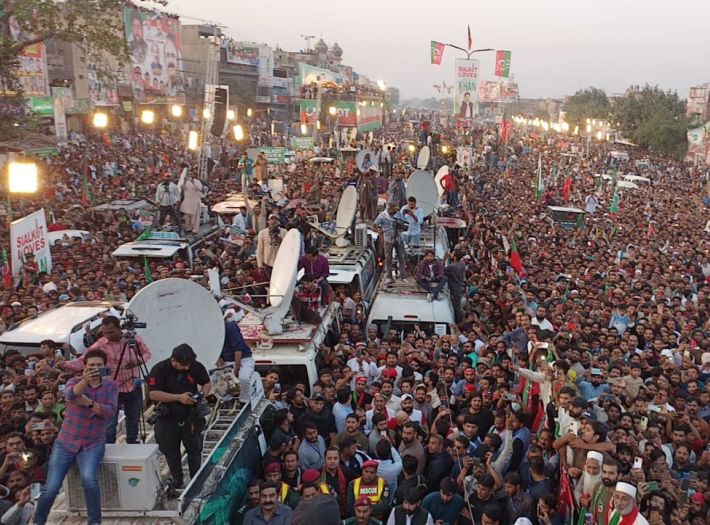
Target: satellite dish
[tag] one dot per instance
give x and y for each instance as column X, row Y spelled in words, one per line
column 423, row 158
column 283, row 275
column 345, row 215
column 179, row 311
column 443, row 172
column 422, row 187
column 353, row 134
column 366, row 159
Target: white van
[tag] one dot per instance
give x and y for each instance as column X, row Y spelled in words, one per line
column 167, row 245
column 63, row 324
column 354, row 267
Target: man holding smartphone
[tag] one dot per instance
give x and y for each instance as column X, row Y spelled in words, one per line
column 92, row 401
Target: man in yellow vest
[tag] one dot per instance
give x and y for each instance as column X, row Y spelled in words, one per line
column 285, row 494
column 371, row 486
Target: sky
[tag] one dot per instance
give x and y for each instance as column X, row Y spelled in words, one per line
column 558, row 46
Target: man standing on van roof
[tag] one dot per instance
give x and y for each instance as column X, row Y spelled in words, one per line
column 387, row 224
column 124, row 373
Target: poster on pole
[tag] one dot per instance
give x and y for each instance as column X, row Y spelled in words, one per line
column 60, row 120
column 466, row 92
column 28, row 235
column 464, row 156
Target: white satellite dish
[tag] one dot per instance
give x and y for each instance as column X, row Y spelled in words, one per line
column 283, row 274
column 353, row 134
column 364, row 156
column 422, row 187
column 423, row 158
column 345, row 215
column 179, row 311
column 443, row 172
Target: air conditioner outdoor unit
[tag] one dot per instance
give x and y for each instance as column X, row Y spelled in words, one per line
column 129, row 479
column 360, row 235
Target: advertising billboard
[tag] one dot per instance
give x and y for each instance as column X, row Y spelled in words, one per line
column 245, row 53
column 466, row 88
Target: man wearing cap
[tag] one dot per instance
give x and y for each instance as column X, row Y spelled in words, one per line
column 591, row 476
column 286, row 495
column 595, row 388
column 363, row 513
column 268, row 242
column 625, row 510
column 167, row 195
column 361, row 398
column 371, row 486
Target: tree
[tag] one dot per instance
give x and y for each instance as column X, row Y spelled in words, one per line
column 586, row 103
column 96, row 26
column 653, row 118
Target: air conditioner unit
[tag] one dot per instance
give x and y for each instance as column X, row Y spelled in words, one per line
column 129, row 479
column 361, row 235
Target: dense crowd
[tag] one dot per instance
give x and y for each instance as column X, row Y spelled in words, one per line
column 573, row 385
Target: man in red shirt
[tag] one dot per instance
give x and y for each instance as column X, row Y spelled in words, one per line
column 306, row 301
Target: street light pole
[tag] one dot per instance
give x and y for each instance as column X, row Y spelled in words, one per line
column 469, row 53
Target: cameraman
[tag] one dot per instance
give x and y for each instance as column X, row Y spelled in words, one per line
column 125, row 373
column 175, row 383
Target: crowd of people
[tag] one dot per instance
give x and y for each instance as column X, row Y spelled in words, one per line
column 571, row 387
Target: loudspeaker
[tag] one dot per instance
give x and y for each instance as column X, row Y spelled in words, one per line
column 221, row 101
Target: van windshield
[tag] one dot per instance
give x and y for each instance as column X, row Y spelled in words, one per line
column 403, row 327
column 289, row 375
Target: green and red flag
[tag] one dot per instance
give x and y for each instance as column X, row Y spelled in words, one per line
column 614, row 206
column 437, row 52
column 515, row 260
column 146, row 270
column 538, row 178
column 470, row 39
column 7, row 273
column 503, row 63
column 567, row 189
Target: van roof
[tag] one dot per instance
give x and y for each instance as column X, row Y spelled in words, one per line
column 409, row 304
column 150, row 248
column 58, row 323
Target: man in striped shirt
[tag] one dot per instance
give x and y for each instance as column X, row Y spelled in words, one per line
column 130, row 398
column 92, row 401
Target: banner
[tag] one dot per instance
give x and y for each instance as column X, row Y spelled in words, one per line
column 29, row 235
column 369, row 118
column 154, row 45
column 503, row 63
column 466, row 89
column 246, row 53
column 41, row 106
column 60, row 120
column 464, row 154
column 346, row 113
column 101, row 92
column 310, row 74
column 302, row 143
column 273, row 155
column 497, row 91
column 309, row 111
column 437, row 52
column 67, row 96
column 266, row 66
column 32, row 71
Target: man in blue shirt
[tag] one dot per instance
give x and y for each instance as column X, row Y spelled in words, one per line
column 595, row 388
column 445, row 504
column 236, row 350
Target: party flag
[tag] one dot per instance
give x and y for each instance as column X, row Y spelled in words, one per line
column 470, row 39
column 567, row 189
column 6, row 270
column 614, row 207
column 515, row 260
column 538, row 178
column 437, row 52
column 503, row 63
column 146, row 270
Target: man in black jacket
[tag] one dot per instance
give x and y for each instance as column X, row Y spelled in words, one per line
column 439, row 464
column 410, row 512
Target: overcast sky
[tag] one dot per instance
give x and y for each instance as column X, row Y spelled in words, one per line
column 558, row 46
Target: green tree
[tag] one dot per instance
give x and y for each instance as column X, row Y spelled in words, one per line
column 96, row 26
column 586, row 103
column 653, row 118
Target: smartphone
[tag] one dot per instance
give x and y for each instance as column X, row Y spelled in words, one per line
column 685, row 485
column 104, row 371
column 643, row 425
column 652, row 486
column 36, row 490
column 510, row 397
column 638, row 463
column 61, row 388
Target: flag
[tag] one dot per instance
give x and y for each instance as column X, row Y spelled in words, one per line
column 567, row 189
column 437, row 52
column 515, row 260
column 470, row 39
column 503, row 63
column 145, row 235
column 146, row 270
column 614, row 206
column 538, row 178
column 6, row 270
column 565, row 499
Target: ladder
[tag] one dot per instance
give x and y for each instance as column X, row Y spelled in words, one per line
column 224, row 415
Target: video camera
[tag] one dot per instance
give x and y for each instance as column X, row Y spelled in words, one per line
column 130, row 322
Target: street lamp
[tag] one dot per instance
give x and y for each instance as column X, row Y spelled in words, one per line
column 176, row 111
column 411, row 148
column 22, row 177
column 206, row 113
column 304, row 129
column 230, row 114
column 100, row 120
column 238, row 133
column 249, row 112
column 318, row 125
column 332, row 111
column 444, row 149
column 147, row 116
column 192, row 140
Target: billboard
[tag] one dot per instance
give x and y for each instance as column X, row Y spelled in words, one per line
column 466, row 88
column 246, row 53
column 346, row 113
column 497, row 91
column 309, row 111
column 101, row 92
column 266, row 66
column 154, row 45
column 369, row 118
column 29, row 235
column 698, row 99
column 310, row 74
